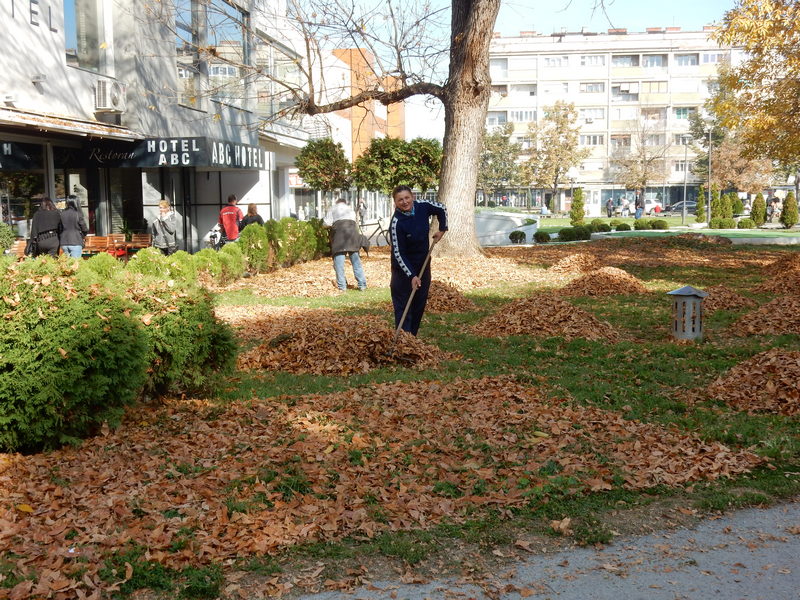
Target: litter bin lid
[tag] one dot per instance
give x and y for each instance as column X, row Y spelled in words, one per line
column 688, row 290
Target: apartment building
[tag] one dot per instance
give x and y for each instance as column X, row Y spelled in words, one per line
column 114, row 101
column 634, row 93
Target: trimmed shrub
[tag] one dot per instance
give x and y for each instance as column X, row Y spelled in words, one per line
column 738, row 205
column 70, row 356
column 182, row 266
column 659, row 224
column 715, row 223
column 256, row 247
column 603, row 227
column 208, row 261
column 235, row 267
column 726, row 203
column 615, row 223
column 728, row 223
column 323, row 238
column 7, row 237
column 302, row 242
column 149, row 262
column 641, row 224
column 758, row 212
column 577, row 211
column 568, row 234
column 102, row 264
column 541, row 237
column 789, row 213
column 276, row 235
column 517, row 237
column 746, row 224
column 583, row 233
column 623, row 227
column 596, row 223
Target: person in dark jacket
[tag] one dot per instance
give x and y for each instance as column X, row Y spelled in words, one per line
column 73, row 229
column 346, row 240
column 251, row 217
column 45, row 227
column 409, row 230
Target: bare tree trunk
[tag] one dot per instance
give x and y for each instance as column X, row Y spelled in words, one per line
column 465, row 98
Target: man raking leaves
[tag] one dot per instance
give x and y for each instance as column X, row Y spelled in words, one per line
column 409, row 232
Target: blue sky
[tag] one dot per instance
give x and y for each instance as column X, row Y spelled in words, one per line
column 546, row 16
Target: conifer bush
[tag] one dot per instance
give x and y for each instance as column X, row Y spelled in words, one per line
column 746, row 224
column 71, row 357
column 208, row 262
column 103, row 265
column 7, row 237
column 149, row 262
column 641, row 224
column 541, row 237
column 582, row 233
column 659, row 224
column 323, row 241
column 278, row 241
column 517, row 237
column 789, row 215
column 623, row 227
column 568, row 234
column 758, row 212
column 235, row 267
column 301, row 241
column 577, row 211
column 257, row 248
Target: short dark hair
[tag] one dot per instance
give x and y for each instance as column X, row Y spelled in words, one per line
column 401, row 188
column 231, row 198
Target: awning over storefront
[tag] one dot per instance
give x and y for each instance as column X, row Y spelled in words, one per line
column 67, row 125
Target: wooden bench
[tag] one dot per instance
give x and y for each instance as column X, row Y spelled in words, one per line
column 94, row 244
column 18, row 249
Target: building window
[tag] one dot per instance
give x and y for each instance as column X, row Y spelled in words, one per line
column 525, row 89
column 556, row 61
column 593, row 60
column 620, row 141
column 624, row 113
column 625, row 60
column 654, row 87
column 523, row 116
column 655, row 139
column 498, row 68
column 500, row 90
column 592, row 140
column 713, row 58
column 228, row 35
column 496, row 117
column 654, row 114
column 187, row 42
column 525, row 142
column 686, row 60
column 684, row 112
column 593, row 87
column 682, row 166
column 712, row 86
column 683, row 139
column 625, row 92
column 83, row 32
column 593, row 114
column 654, row 60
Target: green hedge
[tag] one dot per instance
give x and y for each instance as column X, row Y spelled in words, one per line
column 541, row 237
column 568, row 234
column 517, row 237
column 79, row 341
column 641, row 224
column 659, row 224
column 623, row 227
column 746, row 224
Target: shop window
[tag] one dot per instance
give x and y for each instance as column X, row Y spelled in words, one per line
column 187, row 41
column 84, row 34
column 228, row 34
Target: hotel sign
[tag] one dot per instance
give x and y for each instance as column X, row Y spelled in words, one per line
column 177, row 152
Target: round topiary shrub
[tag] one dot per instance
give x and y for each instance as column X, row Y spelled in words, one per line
column 641, row 224
column 715, row 223
column 568, row 234
column 603, row 228
column 659, row 224
column 582, row 233
column 615, row 223
column 102, row 264
column 541, row 237
column 596, row 223
column 727, row 223
column 746, row 224
column 623, row 227
column 517, row 237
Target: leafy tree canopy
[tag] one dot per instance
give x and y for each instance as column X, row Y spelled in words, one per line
column 389, row 162
column 323, row 165
column 498, row 166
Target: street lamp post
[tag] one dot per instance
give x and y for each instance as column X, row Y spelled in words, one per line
column 685, row 139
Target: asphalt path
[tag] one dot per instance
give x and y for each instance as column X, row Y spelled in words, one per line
column 747, row 554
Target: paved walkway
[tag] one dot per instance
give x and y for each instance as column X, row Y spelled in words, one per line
column 749, row 554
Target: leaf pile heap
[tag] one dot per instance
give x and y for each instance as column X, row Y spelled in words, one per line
column 606, row 281
column 702, row 238
column 446, row 298
column 545, row 315
column 576, row 263
column 193, row 483
column 787, row 262
column 329, row 343
column 782, row 280
column 779, row 316
column 767, row 382
column 721, row 297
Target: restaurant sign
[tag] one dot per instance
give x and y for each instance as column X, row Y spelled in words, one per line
column 20, row 157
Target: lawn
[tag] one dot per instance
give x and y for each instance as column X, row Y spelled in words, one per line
column 530, row 408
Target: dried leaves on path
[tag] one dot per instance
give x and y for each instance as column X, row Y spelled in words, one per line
column 255, row 477
column 544, row 315
column 767, row 382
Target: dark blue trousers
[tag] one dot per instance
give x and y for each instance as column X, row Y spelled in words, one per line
column 401, row 290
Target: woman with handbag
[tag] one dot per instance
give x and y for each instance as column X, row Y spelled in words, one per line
column 45, row 229
column 73, row 229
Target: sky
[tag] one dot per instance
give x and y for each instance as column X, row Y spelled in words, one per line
column 547, row 16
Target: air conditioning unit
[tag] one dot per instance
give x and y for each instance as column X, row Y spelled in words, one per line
column 109, row 96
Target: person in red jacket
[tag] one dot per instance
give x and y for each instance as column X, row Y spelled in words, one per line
column 229, row 218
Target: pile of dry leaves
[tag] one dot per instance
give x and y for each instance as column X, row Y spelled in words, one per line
column 606, row 281
column 721, row 297
column 446, row 298
column 543, row 315
column 767, row 382
column 704, row 239
column 781, row 282
column 779, row 316
column 787, row 262
column 576, row 263
column 324, row 342
column 259, row 476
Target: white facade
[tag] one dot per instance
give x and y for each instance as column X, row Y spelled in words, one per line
column 102, row 99
column 628, row 88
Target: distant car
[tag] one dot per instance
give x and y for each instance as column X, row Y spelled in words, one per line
column 677, row 208
column 650, row 207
